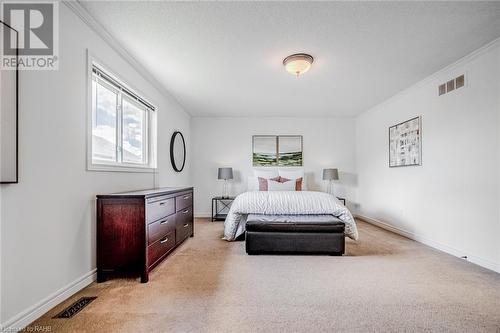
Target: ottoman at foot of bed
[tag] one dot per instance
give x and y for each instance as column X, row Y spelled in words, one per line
column 294, row 234
column 328, row 243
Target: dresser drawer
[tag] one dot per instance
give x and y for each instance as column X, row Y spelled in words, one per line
column 161, row 247
column 184, row 224
column 159, row 208
column 183, row 216
column 183, row 231
column 158, row 229
column 184, row 201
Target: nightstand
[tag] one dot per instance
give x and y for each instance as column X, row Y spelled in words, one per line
column 342, row 199
column 220, row 207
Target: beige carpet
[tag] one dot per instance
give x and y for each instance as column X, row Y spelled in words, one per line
column 385, row 283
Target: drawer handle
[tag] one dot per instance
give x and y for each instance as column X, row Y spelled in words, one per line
column 163, row 222
column 163, row 203
column 185, row 211
column 186, row 197
column 164, row 240
column 186, row 225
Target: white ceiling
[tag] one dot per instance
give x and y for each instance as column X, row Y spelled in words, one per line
column 225, row 58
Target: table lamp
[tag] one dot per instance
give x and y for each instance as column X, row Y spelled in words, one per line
column 225, row 173
column 330, row 175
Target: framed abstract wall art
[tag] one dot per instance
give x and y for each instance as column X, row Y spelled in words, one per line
column 277, row 150
column 265, row 150
column 405, row 143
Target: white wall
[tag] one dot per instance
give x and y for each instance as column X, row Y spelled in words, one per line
column 452, row 201
column 48, row 219
column 219, row 142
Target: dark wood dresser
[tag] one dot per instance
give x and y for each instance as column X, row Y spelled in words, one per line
column 136, row 230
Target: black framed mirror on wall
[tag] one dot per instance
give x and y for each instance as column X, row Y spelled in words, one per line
column 8, row 111
column 177, row 151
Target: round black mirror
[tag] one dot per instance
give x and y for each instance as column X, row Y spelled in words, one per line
column 177, row 151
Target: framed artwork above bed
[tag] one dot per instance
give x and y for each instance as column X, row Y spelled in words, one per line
column 405, row 143
column 277, row 150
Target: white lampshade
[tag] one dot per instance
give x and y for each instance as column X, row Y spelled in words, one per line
column 297, row 64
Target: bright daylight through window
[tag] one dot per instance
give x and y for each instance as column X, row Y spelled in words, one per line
column 122, row 125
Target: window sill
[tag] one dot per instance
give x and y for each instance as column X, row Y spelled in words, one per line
column 118, row 168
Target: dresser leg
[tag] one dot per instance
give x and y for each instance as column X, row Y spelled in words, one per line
column 144, row 278
column 100, row 277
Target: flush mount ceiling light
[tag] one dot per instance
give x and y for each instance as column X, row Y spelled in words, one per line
column 298, row 63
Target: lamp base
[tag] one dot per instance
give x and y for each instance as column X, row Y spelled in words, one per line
column 225, row 194
column 330, row 187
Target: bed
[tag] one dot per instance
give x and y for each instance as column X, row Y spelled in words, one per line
column 279, row 203
column 278, row 215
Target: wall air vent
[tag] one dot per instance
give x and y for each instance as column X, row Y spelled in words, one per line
column 451, row 85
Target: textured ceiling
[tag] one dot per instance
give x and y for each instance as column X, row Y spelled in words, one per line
column 225, row 58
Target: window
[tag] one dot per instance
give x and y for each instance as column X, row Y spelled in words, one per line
column 122, row 130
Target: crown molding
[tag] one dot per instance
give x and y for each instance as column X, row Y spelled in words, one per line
column 77, row 8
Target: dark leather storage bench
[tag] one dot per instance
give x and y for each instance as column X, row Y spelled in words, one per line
column 300, row 234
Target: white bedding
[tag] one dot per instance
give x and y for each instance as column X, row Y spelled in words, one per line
column 287, row 202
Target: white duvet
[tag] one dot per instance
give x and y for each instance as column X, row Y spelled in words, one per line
column 281, row 203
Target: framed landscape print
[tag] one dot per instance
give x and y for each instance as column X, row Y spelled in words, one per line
column 265, row 151
column 290, row 150
column 277, row 150
column 405, row 143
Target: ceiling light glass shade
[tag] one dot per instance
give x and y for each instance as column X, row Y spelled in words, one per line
column 297, row 64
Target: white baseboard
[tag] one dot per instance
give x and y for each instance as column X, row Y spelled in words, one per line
column 202, row 215
column 432, row 243
column 20, row 321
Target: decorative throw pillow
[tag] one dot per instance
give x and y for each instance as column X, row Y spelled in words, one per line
column 279, row 184
column 292, row 173
column 298, row 183
column 264, row 183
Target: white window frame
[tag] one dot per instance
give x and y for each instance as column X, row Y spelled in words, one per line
column 150, row 153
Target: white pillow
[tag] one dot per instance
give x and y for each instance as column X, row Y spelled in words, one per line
column 293, row 174
column 273, row 185
column 252, row 183
column 265, row 173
